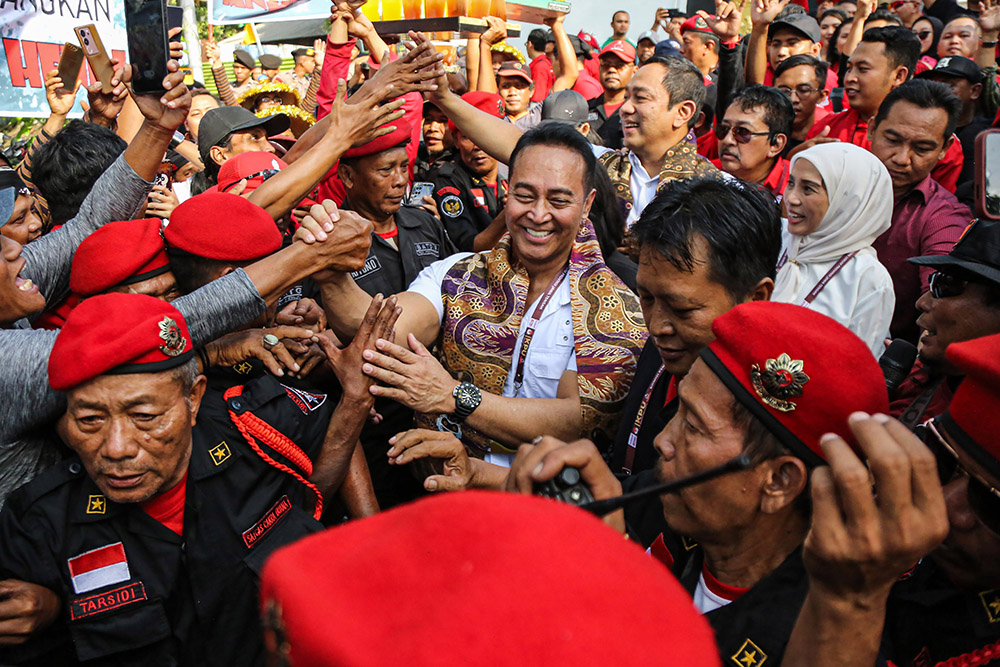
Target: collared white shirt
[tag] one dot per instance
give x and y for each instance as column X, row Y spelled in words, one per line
column 642, row 185
column 550, row 354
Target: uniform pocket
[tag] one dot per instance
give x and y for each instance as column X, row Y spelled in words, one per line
column 116, row 621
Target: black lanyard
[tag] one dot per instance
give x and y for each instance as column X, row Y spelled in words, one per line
column 633, row 436
column 529, row 333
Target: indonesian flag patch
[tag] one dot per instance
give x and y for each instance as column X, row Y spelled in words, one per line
column 99, row 568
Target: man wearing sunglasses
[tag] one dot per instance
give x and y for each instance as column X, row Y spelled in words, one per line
column 946, row 609
column 908, row 11
column 963, row 303
column 753, row 135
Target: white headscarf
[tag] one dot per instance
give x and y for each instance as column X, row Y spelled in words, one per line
column 860, row 193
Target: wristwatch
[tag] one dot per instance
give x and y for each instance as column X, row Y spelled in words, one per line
column 467, row 399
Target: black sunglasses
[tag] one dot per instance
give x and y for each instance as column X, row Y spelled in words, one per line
column 984, row 500
column 924, row 34
column 944, row 286
column 264, row 175
column 741, row 134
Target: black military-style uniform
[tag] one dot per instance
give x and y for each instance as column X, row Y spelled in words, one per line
column 929, row 620
column 169, row 599
column 467, row 203
column 749, row 630
column 608, row 128
column 654, row 419
column 424, row 165
column 421, row 241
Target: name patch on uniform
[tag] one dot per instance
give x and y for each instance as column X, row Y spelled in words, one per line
column 451, row 206
column 371, row 266
column 449, row 190
column 306, row 401
column 266, row 522
column 98, row 568
column 427, row 249
column 116, row 599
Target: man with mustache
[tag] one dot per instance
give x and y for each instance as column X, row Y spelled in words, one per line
column 753, row 135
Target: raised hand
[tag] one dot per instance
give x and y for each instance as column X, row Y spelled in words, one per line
column 362, row 122
column 496, row 32
column 726, row 22
column 105, row 107
column 763, row 12
column 347, row 363
column 60, row 98
column 989, row 15
column 420, row 70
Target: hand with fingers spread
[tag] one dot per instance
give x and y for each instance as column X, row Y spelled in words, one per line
column 346, row 364
column 989, row 16
column 240, row 346
column 60, row 95
column 24, row 609
column 453, row 469
column 419, row 70
column 438, row 83
column 726, row 22
column 413, row 377
column 763, row 12
column 360, row 123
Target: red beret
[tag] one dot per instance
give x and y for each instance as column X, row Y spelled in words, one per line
column 119, row 253
column 973, row 417
column 483, row 577
column 398, row 137
column 800, row 372
column 116, row 334
column 491, row 103
column 216, row 225
column 696, row 24
column 255, row 166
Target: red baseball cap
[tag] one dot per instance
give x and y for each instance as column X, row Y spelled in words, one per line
column 398, row 137
column 119, row 253
column 620, row 48
column 216, row 225
column 515, row 68
column 118, row 334
column 255, row 166
column 491, row 103
column 799, row 372
column 490, row 578
column 589, row 39
column 973, row 417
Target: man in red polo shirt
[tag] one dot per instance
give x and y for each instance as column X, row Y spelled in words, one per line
column 752, row 136
column 884, row 60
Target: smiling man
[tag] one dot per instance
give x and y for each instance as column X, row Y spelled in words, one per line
column 752, row 136
column 537, row 327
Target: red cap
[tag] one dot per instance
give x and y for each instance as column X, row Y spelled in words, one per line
column 117, row 334
column 222, row 226
column 398, row 137
column 622, row 49
column 255, row 166
column 590, row 39
column 515, row 68
column 697, row 24
column 119, row 253
column 508, row 579
column 798, row 371
column 975, row 408
column 491, row 103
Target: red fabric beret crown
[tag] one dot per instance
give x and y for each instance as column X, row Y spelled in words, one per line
column 119, row 253
column 118, row 333
column 216, row 225
column 975, row 408
column 798, row 371
column 398, row 137
column 491, row 103
column 489, row 578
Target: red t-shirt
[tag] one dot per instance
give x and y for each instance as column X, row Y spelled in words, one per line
column 168, row 507
column 588, row 86
column 850, row 127
column 541, row 72
column 776, row 179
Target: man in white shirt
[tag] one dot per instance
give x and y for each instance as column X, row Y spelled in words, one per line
column 536, row 335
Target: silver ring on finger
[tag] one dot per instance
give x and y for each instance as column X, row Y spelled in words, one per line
column 270, row 340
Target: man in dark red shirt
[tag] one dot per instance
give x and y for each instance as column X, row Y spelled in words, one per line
column 912, row 130
column 884, row 60
column 752, row 136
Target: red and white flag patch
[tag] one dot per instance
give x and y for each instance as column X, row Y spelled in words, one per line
column 99, row 568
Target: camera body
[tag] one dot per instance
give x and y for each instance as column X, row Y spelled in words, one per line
column 567, row 486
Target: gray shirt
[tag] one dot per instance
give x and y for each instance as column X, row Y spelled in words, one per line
column 28, row 406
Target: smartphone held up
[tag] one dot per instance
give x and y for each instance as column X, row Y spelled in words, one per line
column 148, row 44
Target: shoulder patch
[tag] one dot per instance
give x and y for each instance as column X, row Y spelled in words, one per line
column 448, row 190
column 452, row 206
column 306, row 401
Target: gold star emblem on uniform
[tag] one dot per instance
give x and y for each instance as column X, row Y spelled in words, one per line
column 220, row 453
column 173, row 342
column 243, row 367
column 991, row 602
column 688, row 543
column 749, row 655
column 96, row 504
column 781, row 379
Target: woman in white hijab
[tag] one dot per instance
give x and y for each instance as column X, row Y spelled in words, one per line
column 838, row 201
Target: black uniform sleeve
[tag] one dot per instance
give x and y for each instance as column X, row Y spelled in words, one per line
column 456, row 212
column 731, row 77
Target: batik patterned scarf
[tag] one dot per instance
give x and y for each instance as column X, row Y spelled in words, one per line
column 484, row 301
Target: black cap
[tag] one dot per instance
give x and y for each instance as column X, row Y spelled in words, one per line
column 244, row 58
column 579, row 46
column 565, row 106
column 217, row 124
column 956, row 66
column 977, row 252
column 298, row 53
column 270, row 61
column 799, row 22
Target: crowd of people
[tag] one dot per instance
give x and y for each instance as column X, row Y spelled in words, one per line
column 282, row 363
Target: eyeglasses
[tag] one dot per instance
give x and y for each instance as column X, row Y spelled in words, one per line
column 899, row 3
column 984, row 500
column 264, row 175
column 944, row 286
column 923, row 34
column 741, row 134
column 800, row 91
